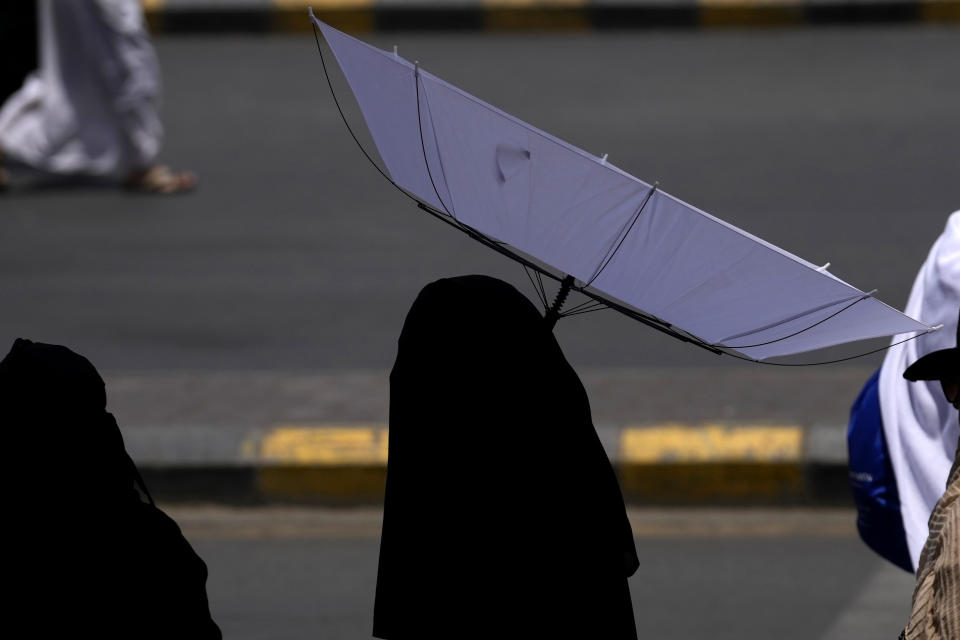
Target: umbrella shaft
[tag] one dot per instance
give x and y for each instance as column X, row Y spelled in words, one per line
column 553, row 313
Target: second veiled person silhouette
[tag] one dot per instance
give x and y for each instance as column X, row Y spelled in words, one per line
column 87, row 554
column 502, row 516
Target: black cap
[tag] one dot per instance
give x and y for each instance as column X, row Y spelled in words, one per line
column 936, row 365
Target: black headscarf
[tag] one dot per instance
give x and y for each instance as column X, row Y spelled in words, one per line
column 502, row 514
column 54, row 402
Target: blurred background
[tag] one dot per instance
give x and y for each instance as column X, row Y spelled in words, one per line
column 251, row 324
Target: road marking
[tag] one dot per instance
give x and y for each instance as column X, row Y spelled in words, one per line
column 672, row 443
column 327, row 445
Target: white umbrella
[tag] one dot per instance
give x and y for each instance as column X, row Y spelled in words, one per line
column 600, row 230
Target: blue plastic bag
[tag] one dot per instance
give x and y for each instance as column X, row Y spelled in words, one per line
column 872, row 479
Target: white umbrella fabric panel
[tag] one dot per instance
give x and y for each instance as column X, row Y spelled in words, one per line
column 519, row 185
column 728, row 288
column 586, row 218
column 384, row 87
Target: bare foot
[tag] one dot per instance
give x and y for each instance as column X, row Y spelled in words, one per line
column 160, row 179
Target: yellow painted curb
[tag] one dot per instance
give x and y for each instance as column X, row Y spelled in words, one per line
column 329, row 445
column 658, row 464
column 668, row 443
column 329, row 463
column 712, row 464
column 710, row 443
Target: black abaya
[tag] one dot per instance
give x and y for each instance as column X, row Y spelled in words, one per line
column 502, row 514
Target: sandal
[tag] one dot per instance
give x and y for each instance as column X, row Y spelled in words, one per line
column 162, row 180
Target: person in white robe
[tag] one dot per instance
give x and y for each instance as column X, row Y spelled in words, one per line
column 91, row 109
column 920, row 425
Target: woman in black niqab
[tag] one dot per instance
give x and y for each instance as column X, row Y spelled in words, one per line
column 89, row 554
column 502, row 515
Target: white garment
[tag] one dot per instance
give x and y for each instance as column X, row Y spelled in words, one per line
column 919, row 424
column 91, row 107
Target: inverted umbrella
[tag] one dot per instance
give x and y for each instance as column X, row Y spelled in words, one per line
column 575, row 217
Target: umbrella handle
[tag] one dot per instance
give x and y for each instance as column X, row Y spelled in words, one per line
column 553, row 313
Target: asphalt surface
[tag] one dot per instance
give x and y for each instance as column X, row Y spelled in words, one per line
column 838, row 144
column 284, row 573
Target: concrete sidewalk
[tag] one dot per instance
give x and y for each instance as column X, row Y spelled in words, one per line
column 676, row 437
column 181, row 16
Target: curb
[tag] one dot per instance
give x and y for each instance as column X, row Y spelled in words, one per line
column 665, row 464
column 720, row 484
column 357, row 16
column 723, row 484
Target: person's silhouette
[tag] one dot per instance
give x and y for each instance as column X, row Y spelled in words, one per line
column 502, row 515
column 90, row 555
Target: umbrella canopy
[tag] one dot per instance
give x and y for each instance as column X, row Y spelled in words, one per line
column 624, row 241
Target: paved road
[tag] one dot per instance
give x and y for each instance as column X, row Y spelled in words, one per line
column 839, row 144
column 285, row 573
column 276, row 292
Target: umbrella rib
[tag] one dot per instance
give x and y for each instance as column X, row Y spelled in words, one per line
column 441, row 214
column 796, row 333
column 543, row 291
column 626, row 233
column 326, row 74
column 580, row 306
column 423, row 144
column 346, row 123
column 651, row 321
column 599, row 307
column 526, row 270
column 443, row 171
column 817, row 364
column 502, row 248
